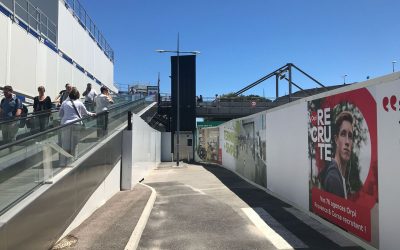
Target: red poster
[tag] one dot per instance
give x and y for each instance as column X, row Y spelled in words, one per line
column 342, row 143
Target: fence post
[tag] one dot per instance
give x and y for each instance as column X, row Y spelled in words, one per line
column 27, row 15
column 129, row 120
column 105, row 122
column 14, row 10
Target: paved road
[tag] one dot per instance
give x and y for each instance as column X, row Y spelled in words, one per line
column 209, row 207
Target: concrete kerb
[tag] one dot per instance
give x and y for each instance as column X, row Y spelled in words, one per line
column 140, row 226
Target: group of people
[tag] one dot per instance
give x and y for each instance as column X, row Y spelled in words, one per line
column 71, row 108
column 93, row 102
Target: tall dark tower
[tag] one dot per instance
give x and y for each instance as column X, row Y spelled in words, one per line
column 187, row 92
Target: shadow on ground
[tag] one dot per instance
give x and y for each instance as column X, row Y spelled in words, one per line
column 279, row 210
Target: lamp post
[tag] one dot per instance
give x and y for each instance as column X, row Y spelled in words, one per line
column 344, row 79
column 393, row 63
column 177, row 52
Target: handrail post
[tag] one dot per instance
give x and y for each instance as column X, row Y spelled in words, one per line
column 27, row 15
column 276, row 86
column 106, row 122
column 38, row 22
column 14, row 10
column 290, row 81
column 129, row 120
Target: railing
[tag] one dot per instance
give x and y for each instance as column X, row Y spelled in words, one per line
column 34, row 123
column 34, row 160
column 227, row 101
column 90, row 26
column 25, row 12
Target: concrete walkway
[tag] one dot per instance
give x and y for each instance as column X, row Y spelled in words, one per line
column 201, row 207
column 209, row 207
column 111, row 226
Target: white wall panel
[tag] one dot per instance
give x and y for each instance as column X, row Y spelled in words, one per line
column 388, row 164
column 23, row 60
column 287, row 163
column 139, row 153
column 228, row 160
column 89, row 52
column 64, row 73
column 76, row 42
column 103, row 68
column 166, row 146
column 109, row 80
column 65, row 30
column 80, row 41
column 41, row 65
column 4, row 46
column 78, row 80
column 158, row 146
column 26, row 63
column 51, row 83
column 98, row 64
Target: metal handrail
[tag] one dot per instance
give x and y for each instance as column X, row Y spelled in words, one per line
column 41, row 23
column 64, row 125
column 28, row 116
column 90, row 26
column 33, row 115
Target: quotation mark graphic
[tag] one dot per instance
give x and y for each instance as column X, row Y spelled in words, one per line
column 392, row 101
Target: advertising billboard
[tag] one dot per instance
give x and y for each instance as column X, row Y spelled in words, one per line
column 342, row 149
column 208, row 144
column 244, row 147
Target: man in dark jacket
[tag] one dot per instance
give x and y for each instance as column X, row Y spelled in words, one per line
column 10, row 108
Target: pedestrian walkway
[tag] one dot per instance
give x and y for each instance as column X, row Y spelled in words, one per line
column 111, row 226
column 200, row 207
column 209, row 207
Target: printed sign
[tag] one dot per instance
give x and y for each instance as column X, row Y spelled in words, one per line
column 244, row 147
column 342, row 148
column 208, row 144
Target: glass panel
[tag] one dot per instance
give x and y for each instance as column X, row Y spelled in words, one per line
column 34, row 160
column 24, row 167
column 32, row 124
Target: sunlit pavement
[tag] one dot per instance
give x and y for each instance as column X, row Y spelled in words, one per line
column 209, row 207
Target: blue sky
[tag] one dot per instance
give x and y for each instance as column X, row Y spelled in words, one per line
column 242, row 40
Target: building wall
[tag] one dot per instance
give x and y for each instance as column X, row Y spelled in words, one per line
column 294, row 162
column 26, row 61
column 76, row 42
column 287, row 162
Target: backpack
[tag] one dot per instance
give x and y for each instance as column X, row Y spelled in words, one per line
column 24, row 113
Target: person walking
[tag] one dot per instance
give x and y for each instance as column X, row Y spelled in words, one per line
column 90, row 95
column 103, row 102
column 63, row 95
column 71, row 110
column 41, row 108
column 10, row 108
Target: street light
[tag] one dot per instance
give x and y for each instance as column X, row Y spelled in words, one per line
column 177, row 52
column 344, row 79
column 393, row 63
